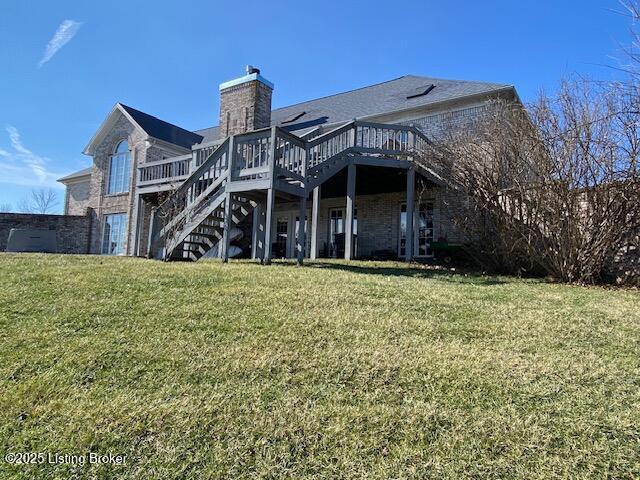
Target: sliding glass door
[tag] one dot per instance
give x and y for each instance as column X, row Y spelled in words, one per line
column 337, row 222
column 422, row 230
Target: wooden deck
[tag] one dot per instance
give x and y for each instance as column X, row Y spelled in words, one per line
column 221, row 183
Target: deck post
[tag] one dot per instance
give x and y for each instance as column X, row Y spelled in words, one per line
column 351, row 195
column 226, row 232
column 255, row 238
column 268, row 228
column 302, row 239
column 315, row 214
column 137, row 228
column 152, row 232
column 271, row 199
column 193, row 165
column 411, row 181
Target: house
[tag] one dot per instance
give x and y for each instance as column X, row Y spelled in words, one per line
column 342, row 162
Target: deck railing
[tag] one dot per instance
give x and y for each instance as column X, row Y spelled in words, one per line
column 267, row 154
column 251, row 153
column 205, row 180
column 293, row 156
column 290, row 155
column 164, row 171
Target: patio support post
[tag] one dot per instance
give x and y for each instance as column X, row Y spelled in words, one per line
column 411, row 181
column 301, row 240
column 268, row 230
column 271, row 199
column 315, row 213
column 351, row 195
column 256, row 239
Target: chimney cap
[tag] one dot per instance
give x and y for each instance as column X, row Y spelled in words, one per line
column 252, row 74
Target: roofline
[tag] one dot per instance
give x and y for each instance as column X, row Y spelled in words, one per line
column 117, row 107
column 504, row 88
column 74, row 178
column 441, row 102
column 164, row 143
column 387, row 81
column 428, row 105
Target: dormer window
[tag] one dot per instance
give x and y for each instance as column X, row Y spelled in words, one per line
column 119, row 169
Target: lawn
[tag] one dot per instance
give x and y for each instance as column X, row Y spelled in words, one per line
column 334, row 370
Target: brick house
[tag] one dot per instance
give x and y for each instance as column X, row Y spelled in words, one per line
column 343, row 162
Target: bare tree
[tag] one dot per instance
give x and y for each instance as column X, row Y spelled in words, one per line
column 5, row 208
column 167, row 220
column 550, row 191
column 41, row 201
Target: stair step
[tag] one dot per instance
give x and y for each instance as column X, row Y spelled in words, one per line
column 206, row 235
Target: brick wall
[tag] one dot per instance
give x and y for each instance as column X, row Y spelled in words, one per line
column 77, row 197
column 72, row 231
column 99, row 200
column 244, row 107
column 105, row 204
column 378, row 219
column 439, row 126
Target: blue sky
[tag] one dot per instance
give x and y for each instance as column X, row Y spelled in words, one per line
column 167, row 58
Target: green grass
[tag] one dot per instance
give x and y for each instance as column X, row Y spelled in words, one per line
column 360, row 370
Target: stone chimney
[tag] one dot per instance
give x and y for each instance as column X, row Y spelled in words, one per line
column 245, row 103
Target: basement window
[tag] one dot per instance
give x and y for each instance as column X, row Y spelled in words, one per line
column 420, row 91
column 293, row 118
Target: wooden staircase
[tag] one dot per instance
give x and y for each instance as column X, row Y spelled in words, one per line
column 217, row 195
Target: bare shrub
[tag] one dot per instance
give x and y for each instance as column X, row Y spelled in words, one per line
column 550, row 191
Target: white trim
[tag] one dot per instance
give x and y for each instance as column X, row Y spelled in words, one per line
column 74, row 180
column 164, row 145
column 247, row 78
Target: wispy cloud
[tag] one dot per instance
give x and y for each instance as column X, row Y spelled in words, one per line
column 65, row 32
column 23, row 167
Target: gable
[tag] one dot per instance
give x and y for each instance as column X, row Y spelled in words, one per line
column 147, row 125
column 116, row 114
column 165, row 131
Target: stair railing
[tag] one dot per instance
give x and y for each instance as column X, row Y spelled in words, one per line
column 251, row 156
column 171, row 215
column 290, row 156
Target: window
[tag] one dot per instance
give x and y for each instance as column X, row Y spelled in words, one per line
column 119, row 169
column 282, row 237
column 403, row 231
column 422, row 230
column 297, row 232
column 337, row 225
column 115, row 228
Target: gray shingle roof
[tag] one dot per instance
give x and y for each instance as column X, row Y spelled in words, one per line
column 85, row 172
column 375, row 99
column 385, row 97
column 163, row 130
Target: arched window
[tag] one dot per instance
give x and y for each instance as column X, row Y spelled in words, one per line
column 120, row 169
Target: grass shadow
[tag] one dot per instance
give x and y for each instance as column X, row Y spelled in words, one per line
column 394, row 269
